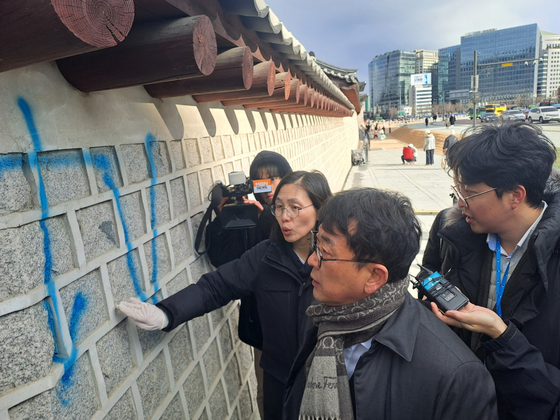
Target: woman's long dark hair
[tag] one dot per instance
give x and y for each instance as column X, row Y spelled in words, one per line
column 315, row 185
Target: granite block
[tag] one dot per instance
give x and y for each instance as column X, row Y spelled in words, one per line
column 15, row 191
column 177, row 154
column 98, row 229
column 194, row 190
column 174, row 410
column 74, row 396
column 115, row 356
column 228, row 146
column 217, row 403
column 237, row 145
column 26, row 347
column 206, row 150
column 135, row 162
column 64, row 175
column 206, row 181
column 123, row 409
column 157, row 258
column 251, row 141
column 245, row 403
column 158, row 205
column 149, row 339
column 245, row 143
column 225, row 341
column 246, row 358
column 216, row 316
column 181, row 242
column 177, row 283
column 218, row 148
column 131, row 212
column 219, row 175
column 201, row 331
column 194, row 390
column 178, row 196
column 33, row 254
column 84, row 305
column 193, row 153
column 153, row 385
column 106, row 168
column 125, row 276
column 181, row 351
column 159, row 158
column 198, row 269
column 212, row 363
column 232, row 379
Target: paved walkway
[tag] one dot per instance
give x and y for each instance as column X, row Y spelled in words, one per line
column 428, row 187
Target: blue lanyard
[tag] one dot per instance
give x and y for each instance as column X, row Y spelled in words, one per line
column 500, row 281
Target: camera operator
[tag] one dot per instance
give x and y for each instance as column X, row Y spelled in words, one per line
column 228, row 245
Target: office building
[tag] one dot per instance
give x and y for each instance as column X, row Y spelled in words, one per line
column 548, row 80
column 389, row 81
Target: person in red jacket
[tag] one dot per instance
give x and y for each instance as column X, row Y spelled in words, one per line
column 409, row 154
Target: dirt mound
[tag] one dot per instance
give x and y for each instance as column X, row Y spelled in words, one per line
column 416, row 137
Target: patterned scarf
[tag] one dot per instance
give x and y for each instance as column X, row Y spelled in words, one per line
column 327, row 390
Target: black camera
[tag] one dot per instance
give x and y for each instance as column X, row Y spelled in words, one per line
column 235, row 213
column 438, row 289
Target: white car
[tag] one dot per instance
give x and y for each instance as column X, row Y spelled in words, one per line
column 513, row 115
column 543, row 114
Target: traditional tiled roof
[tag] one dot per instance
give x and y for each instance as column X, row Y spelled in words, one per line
column 257, row 16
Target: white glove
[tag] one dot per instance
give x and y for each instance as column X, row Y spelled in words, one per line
column 145, row 315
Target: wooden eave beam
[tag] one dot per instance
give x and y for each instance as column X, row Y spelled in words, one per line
column 281, row 84
column 153, row 52
column 290, row 96
column 233, row 73
column 35, row 31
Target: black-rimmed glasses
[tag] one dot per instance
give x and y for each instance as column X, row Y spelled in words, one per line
column 462, row 197
column 320, row 259
column 291, row 211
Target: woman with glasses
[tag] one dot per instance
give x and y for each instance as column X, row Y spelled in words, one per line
column 275, row 271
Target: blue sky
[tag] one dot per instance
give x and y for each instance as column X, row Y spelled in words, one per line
column 350, row 33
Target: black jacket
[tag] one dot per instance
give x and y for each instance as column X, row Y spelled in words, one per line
column 525, row 360
column 280, row 282
column 416, row 368
column 228, row 245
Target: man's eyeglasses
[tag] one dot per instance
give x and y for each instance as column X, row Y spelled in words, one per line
column 320, row 259
column 291, row 211
column 462, row 197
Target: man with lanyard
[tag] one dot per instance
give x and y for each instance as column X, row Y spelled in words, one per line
column 500, row 247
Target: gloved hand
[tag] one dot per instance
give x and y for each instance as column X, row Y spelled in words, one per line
column 145, row 315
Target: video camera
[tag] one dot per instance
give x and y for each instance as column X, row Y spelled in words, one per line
column 235, row 213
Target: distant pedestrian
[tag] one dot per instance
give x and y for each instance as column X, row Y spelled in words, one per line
column 429, row 147
column 452, row 120
column 426, row 121
column 434, row 117
column 448, row 142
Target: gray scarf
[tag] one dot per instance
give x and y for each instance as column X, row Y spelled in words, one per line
column 327, row 390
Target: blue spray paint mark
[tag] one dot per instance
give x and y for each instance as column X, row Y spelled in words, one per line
column 53, row 318
column 103, row 163
column 150, row 140
column 30, row 121
column 78, row 309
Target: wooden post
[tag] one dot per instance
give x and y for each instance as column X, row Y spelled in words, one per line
column 35, row 31
column 153, row 52
column 233, row 72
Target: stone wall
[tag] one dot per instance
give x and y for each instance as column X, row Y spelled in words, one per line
column 100, row 198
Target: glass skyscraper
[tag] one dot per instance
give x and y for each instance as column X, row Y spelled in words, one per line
column 389, row 80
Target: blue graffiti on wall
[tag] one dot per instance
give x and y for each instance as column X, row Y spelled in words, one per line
column 53, row 308
column 80, row 304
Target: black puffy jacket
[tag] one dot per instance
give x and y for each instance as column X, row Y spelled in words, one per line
column 281, row 286
column 525, row 360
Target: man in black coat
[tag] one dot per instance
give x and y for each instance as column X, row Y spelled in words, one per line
column 503, row 252
column 375, row 352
